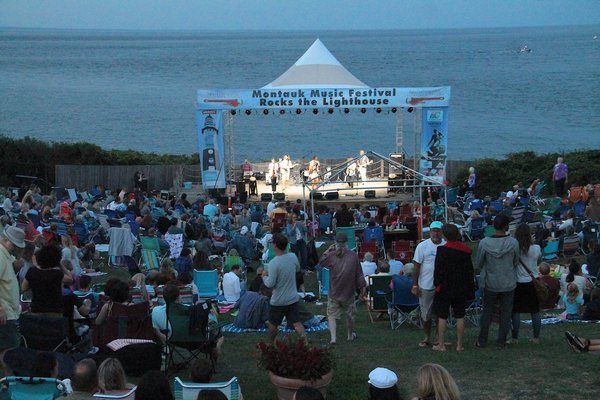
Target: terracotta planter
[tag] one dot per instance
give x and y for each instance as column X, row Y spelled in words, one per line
column 286, row 387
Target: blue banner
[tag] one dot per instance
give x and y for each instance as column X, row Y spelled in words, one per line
column 434, row 143
column 212, row 157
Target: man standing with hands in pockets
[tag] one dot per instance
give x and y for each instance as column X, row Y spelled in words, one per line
column 424, row 266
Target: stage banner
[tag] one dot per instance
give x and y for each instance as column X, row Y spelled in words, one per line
column 210, row 137
column 307, row 98
column 434, row 143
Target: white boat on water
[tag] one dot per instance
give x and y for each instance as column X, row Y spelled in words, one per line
column 525, row 49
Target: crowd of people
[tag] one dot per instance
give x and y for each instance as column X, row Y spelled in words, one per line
column 47, row 256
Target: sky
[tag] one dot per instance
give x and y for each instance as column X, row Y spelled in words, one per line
column 294, row 14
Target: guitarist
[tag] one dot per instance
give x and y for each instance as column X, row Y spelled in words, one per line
column 363, row 161
column 285, row 167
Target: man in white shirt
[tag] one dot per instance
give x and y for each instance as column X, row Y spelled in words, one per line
column 232, row 288
column 363, row 161
column 424, row 266
column 395, row 265
column 368, row 266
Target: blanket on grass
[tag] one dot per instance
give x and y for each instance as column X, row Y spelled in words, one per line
column 558, row 320
column 323, row 326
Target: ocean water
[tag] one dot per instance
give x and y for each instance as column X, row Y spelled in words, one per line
column 137, row 90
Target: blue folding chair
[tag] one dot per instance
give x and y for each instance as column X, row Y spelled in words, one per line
column 375, row 233
column 207, row 283
column 26, row 388
column 324, row 283
column 550, row 251
column 476, row 230
column 404, row 305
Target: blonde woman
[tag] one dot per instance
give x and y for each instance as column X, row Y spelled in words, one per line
column 112, row 378
column 70, row 252
column 139, row 281
column 434, row 382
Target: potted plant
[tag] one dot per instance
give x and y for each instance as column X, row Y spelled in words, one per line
column 293, row 364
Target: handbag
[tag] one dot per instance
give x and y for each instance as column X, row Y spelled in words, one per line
column 541, row 289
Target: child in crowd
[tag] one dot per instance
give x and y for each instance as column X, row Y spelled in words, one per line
column 573, row 301
column 166, row 269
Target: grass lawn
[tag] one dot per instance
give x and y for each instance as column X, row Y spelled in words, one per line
column 549, row 370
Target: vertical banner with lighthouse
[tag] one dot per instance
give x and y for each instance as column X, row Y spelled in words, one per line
column 434, row 143
column 210, row 139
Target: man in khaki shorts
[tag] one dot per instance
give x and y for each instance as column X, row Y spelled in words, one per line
column 345, row 280
column 424, row 265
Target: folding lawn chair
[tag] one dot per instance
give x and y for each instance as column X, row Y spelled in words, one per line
column 126, row 394
column 350, row 233
column 41, row 332
column 124, row 322
column 207, row 283
column 175, row 244
column 379, row 292
column 403, row 306
column 376, row 234
column 190, row 333
column 324, row 283
column 31, row 388
column 550, row 251
column 476, row 230
column 219, row 239
column 189, row 391
column 571, row 247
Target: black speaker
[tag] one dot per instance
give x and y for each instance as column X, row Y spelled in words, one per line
column 279, row 196
column 369, row 194
column 317, row 196
column 243, row 197
column 332, row 195
column 266, row 196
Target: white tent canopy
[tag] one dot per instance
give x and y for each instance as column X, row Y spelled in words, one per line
column 317, row 68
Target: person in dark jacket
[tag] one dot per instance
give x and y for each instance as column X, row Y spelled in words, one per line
column 454, row 284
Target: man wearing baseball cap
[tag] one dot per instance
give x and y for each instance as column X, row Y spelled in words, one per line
column 10, row 239
column 424, row 265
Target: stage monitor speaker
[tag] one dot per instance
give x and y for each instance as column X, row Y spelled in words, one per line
column 266, row 197
column 279, row 196
column 317, row 196
column 332, row 195
column 369, row 194
column 243, row 197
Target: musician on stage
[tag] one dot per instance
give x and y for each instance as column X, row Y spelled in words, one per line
column 351, row 172
column 246, row 170
column 363, row 161
column 273, row 174
column 313, row 169
column 285, row 167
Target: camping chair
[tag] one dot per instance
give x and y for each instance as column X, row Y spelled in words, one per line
column 403, row 250
column 553, row 205
column 350, row 232
column 474, row 306
column 550, row 251
column 324, row 283
column 124, row 322
column 368, row 247
column 230, row 261
column 41, row 332
column 207, row 283
column 516, row 217
column 186, row 295
column 189, row 391
column 325, row 221
column 126, row 394
column 536, row 197
column 579, row 208
column 375, row 233
column 379, row 288
column 190, row 330
column 175, row 244
column 31, row 388
column 403, row 306
column 219, row 239
column 476, row 230
column 571, row 247
column 497, row 206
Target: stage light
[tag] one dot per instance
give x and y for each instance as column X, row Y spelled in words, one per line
column 315, row 111
column 410, row 109
column 266, row 112
column 233, row 112
column 378, row 110
column 394, row 109
column 298, row 111
column 363, row 110
column 330, row 111
column 346, row 110
column 248, row 112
